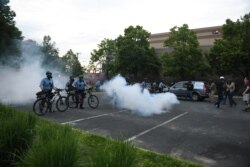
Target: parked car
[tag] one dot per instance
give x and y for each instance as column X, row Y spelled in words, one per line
column 199, row 92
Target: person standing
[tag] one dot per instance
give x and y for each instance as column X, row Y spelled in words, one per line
column 70, row 84
column 220, row 89
column 80, row 91
column 190, row 88
column 246, row 93
column 46, row 86
column 231, row 87
column 154, row 85
column 161, row 86
column 226, row 93
column 144, row 84
column 212, row 91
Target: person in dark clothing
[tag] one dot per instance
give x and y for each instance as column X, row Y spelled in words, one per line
column 220, row 86
column 190, row 88
column 80, row 91
column 69, row 84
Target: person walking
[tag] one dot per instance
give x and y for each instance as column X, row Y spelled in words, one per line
column 231, row 87
column 246, row 93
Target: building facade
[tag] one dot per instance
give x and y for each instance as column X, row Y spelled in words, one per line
column 206, row 37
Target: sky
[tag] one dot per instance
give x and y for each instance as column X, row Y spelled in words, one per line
column 81, row 25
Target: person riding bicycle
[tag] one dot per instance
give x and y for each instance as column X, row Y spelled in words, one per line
column 69, row 84
column 80, row 91
column 47, row 85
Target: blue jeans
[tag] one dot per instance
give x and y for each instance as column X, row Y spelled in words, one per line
column 189, row 94
column 226, row 95
column 231, row 100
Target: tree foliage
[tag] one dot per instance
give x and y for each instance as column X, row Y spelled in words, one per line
column 186, row 59
column 72, row 66
column 104, row 57
column 135, row 58
column 231, row 54
column 51, row 54
column 9, row 33
column 129, row 55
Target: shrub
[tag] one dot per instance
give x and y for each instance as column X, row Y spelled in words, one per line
column 17, row 131
column 54, row 146
column 118, row 153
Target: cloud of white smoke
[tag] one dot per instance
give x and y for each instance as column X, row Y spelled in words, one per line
column 131, row 97
column 20, row 85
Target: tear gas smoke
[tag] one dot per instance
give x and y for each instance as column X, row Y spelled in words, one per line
column 19, row 85
column 131, row 97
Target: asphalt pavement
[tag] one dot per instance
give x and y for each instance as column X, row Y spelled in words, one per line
column 195, row 131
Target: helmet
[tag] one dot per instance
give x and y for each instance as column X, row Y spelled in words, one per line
column 48, row 73
column 221, row 77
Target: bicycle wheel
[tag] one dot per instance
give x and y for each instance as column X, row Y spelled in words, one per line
column 61, row 104
column 40, row 107
column 71, row 101
column 93, row 101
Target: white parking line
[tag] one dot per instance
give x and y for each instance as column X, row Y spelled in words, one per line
column 157, row 126
column 87, row 118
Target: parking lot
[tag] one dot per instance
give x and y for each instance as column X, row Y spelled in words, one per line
column 195, row 131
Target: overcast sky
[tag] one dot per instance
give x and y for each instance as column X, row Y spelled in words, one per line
column 80, row 25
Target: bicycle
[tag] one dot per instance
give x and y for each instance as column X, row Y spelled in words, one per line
column 93, row 100
column 44, row 102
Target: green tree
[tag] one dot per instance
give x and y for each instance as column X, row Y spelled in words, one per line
column 135, row 58
column 231, row 54
column 9, row 34
column 186, row 61
column 51, row 54
column 72, row 66
column 105, row 57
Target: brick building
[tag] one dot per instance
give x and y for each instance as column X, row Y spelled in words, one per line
column 206, row 37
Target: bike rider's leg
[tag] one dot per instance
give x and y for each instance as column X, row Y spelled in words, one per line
column 77, row 98
column 49, row 95
column 81, row 100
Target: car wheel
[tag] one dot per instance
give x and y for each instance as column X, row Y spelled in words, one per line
column 195, row 97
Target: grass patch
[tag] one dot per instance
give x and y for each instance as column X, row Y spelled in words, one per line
column 54, row 145
column 114, row 153
column 17, row 131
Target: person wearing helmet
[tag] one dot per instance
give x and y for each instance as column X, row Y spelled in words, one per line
column 47, row 85
column 80, row 91
column 69, row 84
column 220, row 86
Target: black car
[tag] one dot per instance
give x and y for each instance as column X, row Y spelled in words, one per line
column 199, row 92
